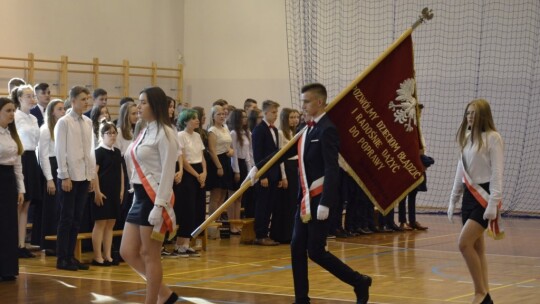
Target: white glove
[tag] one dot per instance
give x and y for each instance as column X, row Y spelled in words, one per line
column 450, row 212
column 322, row 212
column 491, row 212
column 251, row 176
column 156, row 215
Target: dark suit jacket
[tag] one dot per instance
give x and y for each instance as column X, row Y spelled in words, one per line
column 36, row 111
column 320, row 159
column 263, row 146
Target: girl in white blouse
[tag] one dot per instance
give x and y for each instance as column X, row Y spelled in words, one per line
column 154, row 154
column 241, row 161
column 47, row 160
column 28, row 129
column 220, row 177
column 482, row 158
column 11, row 191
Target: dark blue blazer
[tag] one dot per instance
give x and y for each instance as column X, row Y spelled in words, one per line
column 263, row 146
column 36, row 111
column 320, row 159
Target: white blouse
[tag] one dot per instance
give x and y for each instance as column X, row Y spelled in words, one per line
column 9, row 157
column 45, row 150
column 158, row 153
column 241, row 152
column 122, row 143
column 223, row 141
column 484, row 165
column 192, row 145
column 28, row 129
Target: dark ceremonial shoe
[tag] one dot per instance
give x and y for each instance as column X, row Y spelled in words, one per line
column 25, row 253
column 66, row 265
column 105, row 263
column 8, row 278
column 487, row 300
column 172, row 298
column 374, row 229
column 50, row 252
column 361, row 289
column 385, row 229
column 266, row 242
column 395, row 227
column 340, row 233
column 79, row 265
column 364, row 230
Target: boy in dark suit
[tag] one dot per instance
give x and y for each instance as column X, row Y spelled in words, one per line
column 43, row 96
column 318, row 169
column 265, row 142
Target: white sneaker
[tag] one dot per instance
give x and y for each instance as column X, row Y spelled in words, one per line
column 181, row 252
column 188, row 252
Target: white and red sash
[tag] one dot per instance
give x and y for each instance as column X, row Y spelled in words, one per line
column 316, row 187
column 495, row 229
column 150, row 186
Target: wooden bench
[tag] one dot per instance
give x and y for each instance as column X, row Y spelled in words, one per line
column 81, row 236
column 247, row 236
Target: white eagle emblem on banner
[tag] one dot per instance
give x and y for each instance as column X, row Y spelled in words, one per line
column 405, row 111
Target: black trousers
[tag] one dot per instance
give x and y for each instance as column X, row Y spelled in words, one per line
column 72, row 206
column 310, row 240
column 50, row 211
column 190, row 203
column 266, row 199
column 9, row 257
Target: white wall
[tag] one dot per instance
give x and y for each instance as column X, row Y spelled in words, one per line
column 141, row 31
column 235, row 49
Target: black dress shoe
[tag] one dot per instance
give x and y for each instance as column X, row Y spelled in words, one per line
column 395, row 227
column 105, row 263
column 374, row 229
column 50, row 252
column 79, row 265
column 361, row 289
column 9, row 278
column 487, row 300
column 66, row 265
column 364, row 230
column 385, row 229
column 172, row 298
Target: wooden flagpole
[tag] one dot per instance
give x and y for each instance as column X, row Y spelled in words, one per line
column 427, row 14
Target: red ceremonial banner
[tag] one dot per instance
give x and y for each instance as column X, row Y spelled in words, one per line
column 377, row 121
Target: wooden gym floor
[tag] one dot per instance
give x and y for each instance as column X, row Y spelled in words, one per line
column 410, row 267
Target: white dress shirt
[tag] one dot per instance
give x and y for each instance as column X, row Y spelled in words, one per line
column 28, row 130
column 122, row 143
column 9, row 157
column 45, row 150
column 157, row 152
column 484, row 165
column 74, row 147
column 241, row 152
column 223, row 139
column 192, row 145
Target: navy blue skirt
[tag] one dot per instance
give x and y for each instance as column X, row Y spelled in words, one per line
column 471, row 208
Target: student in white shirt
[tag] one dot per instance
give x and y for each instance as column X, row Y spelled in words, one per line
column 285, row 207
column 191, row 207
column 482, row 157
column 153, row 155
column 74, row 150
column 28, row 129
column 220, row 177
column 11, row 191
column 241, row 161
column 49, row 166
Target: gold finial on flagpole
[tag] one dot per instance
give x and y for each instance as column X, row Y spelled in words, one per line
column 427, row 14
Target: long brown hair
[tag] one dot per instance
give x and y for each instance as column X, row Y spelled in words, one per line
column 123, row 124
column 157, row 99
column 50, row 119
column 482, row 122
column 235, row 123
column 284, row 122
column 11, row 126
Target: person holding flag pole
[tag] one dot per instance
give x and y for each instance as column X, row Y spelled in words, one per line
column 318, row 149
